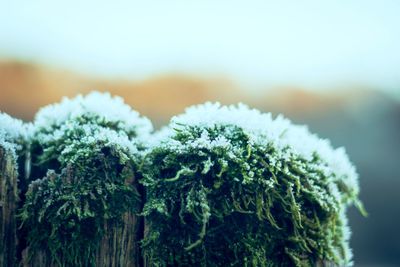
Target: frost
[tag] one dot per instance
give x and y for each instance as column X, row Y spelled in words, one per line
column 76, row 125
column 96, row 107
column 13, row 133
column 88, row 136
column 88, row 147
column 287, row 138
column 12, row 129
column 7, row 146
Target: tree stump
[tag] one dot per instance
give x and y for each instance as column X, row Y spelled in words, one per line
column 8, row 199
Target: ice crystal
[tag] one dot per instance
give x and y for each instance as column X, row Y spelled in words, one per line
column 12, row 129
column 14, row 134
column 99, row 108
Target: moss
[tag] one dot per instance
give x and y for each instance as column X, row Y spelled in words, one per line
column 65, row 213
column 85, row 173
column 222, row 190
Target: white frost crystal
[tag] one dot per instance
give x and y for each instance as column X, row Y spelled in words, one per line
column 99, row 118
column 101, row 107
column 12, row 129
column 13, row 132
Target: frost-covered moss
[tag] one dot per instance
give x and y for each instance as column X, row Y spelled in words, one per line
column 230, row 186
column 14, row 134
column 91, row 148
column 98, row 111
column 15, row 137
column 95, row 108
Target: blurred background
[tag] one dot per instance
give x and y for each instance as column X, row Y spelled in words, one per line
column 334, row 65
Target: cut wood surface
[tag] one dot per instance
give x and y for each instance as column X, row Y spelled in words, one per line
column 8, row 199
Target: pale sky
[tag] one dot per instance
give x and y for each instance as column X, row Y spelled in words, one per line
column 304, row 43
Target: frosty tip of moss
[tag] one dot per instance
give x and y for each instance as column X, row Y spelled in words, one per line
column 14, row 133
column 263, row 129
column 101, row 107
column 12, row 129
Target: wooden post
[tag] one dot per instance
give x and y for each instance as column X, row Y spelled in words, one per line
column 119, row 247
column 120, row 244
column 8, row 199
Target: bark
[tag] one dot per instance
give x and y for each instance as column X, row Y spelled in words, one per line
column 8, row 200
column 35, row 258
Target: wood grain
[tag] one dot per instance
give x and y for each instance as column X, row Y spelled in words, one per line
column 8, row 200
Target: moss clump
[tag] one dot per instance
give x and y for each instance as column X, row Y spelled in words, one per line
column 230, row 186
column 57, row 126
column 91, row 153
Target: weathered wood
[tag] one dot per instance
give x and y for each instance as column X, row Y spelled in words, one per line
column 119, row 246
column 8, row 200
column 35, row 258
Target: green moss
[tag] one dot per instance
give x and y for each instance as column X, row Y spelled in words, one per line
column 65, row 213
column 89, row 157
column 222, row 192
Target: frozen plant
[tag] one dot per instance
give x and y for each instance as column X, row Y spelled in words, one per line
column 231, row 186
column 95, row 108
column 14, row 133
column 56, row 125
column 15, row 137
column 86, row 157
